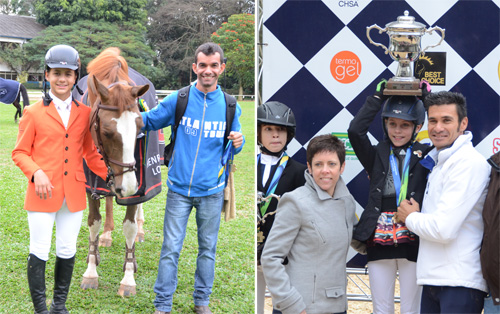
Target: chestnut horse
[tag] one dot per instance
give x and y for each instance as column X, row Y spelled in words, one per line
column 115, row 124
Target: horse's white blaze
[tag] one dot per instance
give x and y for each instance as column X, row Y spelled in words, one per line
column 126, row 126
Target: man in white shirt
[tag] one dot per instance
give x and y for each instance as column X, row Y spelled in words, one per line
column 450, row 225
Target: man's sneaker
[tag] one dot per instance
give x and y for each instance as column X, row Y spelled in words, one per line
column 161, row 312
column 202, row 309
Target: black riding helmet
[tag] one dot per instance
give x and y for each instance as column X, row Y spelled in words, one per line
column 408, row 108
column 62, row 56
column 276, row 113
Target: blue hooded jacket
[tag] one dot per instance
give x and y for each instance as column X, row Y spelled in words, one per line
column 196, row 160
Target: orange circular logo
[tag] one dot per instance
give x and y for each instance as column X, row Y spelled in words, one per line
column 345, row 67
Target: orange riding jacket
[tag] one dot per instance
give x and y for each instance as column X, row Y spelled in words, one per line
column 44, row 143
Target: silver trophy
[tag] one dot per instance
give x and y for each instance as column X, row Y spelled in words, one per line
column 404, row 47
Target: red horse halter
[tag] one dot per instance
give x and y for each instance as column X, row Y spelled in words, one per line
column 96, row 122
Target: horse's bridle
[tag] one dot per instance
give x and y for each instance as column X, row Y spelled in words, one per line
column 95, row 121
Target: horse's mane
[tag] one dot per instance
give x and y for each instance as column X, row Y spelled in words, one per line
column 109, row 67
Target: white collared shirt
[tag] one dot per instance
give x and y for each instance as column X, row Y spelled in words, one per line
column 63, row 108
column 268, row 161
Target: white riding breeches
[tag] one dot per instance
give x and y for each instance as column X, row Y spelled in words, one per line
column 67, row 228
column 382, row 275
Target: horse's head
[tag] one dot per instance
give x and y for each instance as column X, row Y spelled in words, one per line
column 115, row 124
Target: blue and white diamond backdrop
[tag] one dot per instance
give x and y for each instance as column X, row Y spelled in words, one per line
column 317, row 60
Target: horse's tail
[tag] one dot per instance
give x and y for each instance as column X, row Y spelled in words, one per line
column 24, row 93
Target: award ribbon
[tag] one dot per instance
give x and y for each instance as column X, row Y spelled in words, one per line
column 401, row 186
column 274, row 182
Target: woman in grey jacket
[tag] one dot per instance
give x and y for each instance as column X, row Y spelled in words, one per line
column 313, row 228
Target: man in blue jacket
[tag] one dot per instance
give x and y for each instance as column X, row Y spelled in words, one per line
column 195, row 176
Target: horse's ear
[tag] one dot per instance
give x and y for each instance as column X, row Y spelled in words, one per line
column 140, row 90
column 99, row 89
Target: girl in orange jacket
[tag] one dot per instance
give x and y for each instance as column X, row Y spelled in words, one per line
column 53, row 139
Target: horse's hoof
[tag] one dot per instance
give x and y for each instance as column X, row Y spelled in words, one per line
column 89, row 283
column 105, row 242
column 126, row 291
column 139, row 237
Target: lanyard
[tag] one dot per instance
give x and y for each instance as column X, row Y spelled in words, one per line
column 143, row 107
column 227, row 160
column 401, row 186
column 274, row 181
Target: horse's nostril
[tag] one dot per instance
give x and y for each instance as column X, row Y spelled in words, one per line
column 118, row 191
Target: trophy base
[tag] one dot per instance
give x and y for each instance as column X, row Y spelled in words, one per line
column 408, row 87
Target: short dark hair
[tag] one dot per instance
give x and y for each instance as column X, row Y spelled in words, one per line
column 209, row 49
column 447, row 98
column 325, row 143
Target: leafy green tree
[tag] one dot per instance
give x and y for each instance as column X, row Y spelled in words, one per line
column 236, row 38
column 56, row 12
column 90, row 38
column 177, row 27
column 20, row 7
column 17, row 58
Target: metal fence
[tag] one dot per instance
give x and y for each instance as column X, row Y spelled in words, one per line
column 362, row 291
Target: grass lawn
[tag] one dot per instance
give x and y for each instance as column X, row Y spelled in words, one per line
column 233, row 290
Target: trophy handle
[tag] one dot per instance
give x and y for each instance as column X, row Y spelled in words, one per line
column 380, row 31
column 435, row 28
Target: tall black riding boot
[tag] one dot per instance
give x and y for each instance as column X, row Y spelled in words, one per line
column 62, row 280
column 36, row 282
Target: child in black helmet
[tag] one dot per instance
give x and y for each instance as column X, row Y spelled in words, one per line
column 276, row 174
column 395, row 174
column 53, row 139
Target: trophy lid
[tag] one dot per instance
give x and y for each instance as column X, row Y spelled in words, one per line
column 406, row 23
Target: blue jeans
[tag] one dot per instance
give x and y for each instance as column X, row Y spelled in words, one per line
column 177, row 211
column 490, row 307
column 445, row 299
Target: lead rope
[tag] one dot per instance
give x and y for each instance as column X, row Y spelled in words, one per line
column 93, row 189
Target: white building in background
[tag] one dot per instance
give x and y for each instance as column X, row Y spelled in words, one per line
column 18, row 29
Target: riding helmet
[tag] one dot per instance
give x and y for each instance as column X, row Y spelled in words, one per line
column 276, row 113
column 408, row 108
column 62, row 56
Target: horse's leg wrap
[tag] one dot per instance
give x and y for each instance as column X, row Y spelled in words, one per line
column 127, row 285
column 94, row 250
column 130, row 257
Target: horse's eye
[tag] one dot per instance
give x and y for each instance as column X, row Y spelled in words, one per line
column 107, row 134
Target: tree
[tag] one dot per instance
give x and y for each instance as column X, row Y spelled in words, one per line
column 20, row 7
column 90, row 38
column 57, row 12
column 177, row 27
column 236, row 38
column 18, row 59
